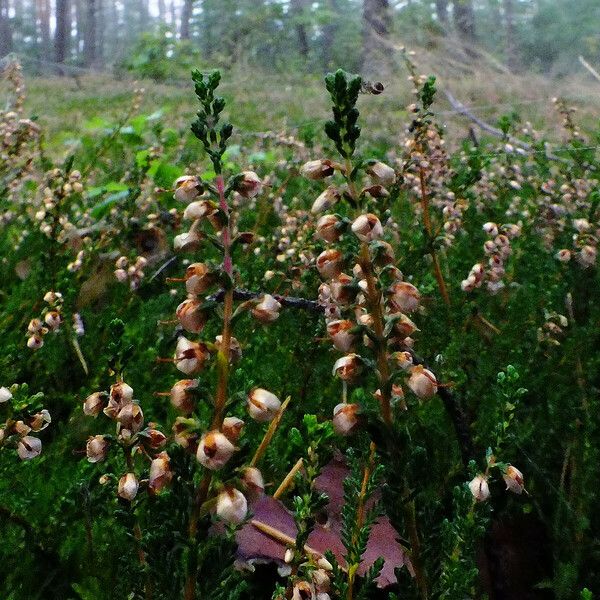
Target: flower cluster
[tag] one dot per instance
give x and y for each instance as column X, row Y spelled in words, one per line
column 50, row 320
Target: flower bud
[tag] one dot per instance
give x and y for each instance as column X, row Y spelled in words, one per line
column 96, row 448
column 479, row 488
column 182, row 435
column 35, row 326
column 267, row 310
column 94, row 404
column 182, row 395
column 317, row 169
column 328, row 228
column 303, row 591
column 341, row 290
column 263, row 405
column 128, row 487
column 514, row 480
column 325, row 200
column 191, row 316
column 5, row 395
column 329, row 263
column 347, row 367
column 381, row 173
column 214, row 450
column 405, row 297
column 160, row 473
column 403, row 326
column 190, row 356
column 188, row 188
column 232, row 506
column 29, row 447
column 367, row 228
column 232, row 428
column 131, row 417
column 339, row 332
column 198, row 278
column 422, row 382
column 563, row 255
column 121, row 275
column 248, row 185
column 587, row 256
column 346, row 419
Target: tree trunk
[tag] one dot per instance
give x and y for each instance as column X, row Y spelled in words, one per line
column 464, row 19
column 5, row 30
column 186, row 17
column 441, row 10
column 89, row 36
column 329, row 33
column 298, row 10
column 43, row 13
column 62, row 35
column 376, row 29
column 509, row 20
column 162, row 11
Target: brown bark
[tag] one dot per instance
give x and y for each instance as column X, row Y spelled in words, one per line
column 43, row 13
column 298, row 10
column 376, row 30
column 186, row 17
column 441, row 10
column 62, row 35
column 5, row 30
column 464, row 19
column 89, row 35
column 509, row 22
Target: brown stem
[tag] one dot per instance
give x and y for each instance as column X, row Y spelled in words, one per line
column 415, row 547
column 374, row 302
column 269, row 433
column 202, row 491
column 437, row 271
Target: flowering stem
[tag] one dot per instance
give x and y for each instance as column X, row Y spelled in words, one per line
column 201, row 493
column 374, row 302
column 429, row 229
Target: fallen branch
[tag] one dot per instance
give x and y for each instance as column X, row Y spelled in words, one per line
column 461, row 109
column 589, row 67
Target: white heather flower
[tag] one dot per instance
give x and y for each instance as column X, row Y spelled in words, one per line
column 35, row 342
column 326, row 200
column 263, row 405
column 479, row 488
column 381, row 173
column 121, row 392
column 191, row 316
column 5, row 395
column 345, row 418
column 249, row 185
column 405, row 297
column 96, row 448
column 198, row 278
column 160, row 473
column 190, row 356
column 367, row 227
column 121, row 275
column 187, row 242
column 131, row 417
column 346, row 367
column 253, row 482
column 563, row 255
column 40, row 420
column 328, row 228
column 53, row 320
column 317, row 169
column 128, row 486
column 329, row 263
column 267, row 310
column 35, row 326
column 232, row 506
column 199, row 209
column 232, row 428
column 514, row 480
column 29, row 447
column 490, row 228
column 339, row 332
column 187, row 188
column 422, row 382
column 587, row 256
column 214, row 450
column 182, row 395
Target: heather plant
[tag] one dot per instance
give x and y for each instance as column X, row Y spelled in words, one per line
column 293, row 379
